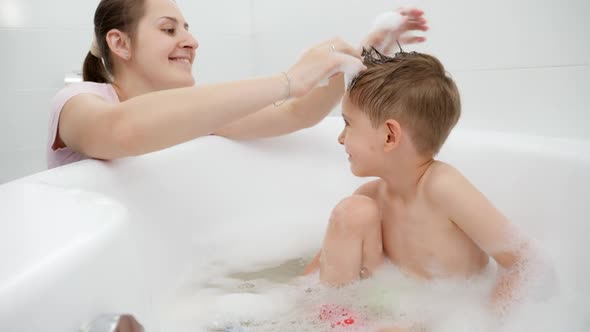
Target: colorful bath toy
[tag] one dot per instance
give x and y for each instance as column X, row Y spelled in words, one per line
column 338, row 317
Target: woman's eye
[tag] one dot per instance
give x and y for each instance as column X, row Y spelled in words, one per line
column 169, row 31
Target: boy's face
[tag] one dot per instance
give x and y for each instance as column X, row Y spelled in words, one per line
column 362, row 142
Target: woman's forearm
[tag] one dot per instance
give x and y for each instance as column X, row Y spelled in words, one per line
column 294, row 115
column 165, row 118
column 317, row 105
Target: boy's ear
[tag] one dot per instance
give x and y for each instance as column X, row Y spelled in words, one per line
column 393, row 132
column 119, row 43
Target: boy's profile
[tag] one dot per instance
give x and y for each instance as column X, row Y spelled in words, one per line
column 421, row 214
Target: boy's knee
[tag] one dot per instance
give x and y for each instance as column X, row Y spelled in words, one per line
column 356, row 212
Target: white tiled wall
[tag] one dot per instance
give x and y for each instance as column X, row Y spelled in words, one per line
column 521, row 65
column 41, row 41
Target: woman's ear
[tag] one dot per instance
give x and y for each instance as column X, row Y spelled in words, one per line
column 119, row 43
column 393, row 135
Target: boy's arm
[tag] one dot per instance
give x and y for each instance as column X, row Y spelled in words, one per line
column 368, row 189
column 470, row 210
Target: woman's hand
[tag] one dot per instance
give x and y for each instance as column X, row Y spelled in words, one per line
column 322, row 62
column 385, row 34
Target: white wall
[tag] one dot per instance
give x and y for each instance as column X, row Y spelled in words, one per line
column 42, row 41
column 522, row 66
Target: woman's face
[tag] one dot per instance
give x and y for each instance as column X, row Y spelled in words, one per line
column 164, row 50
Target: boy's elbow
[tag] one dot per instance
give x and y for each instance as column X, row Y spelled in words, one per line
column 526, row 259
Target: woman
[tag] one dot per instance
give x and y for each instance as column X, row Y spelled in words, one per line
column 139, row 94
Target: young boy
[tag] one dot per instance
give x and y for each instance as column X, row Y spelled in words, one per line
column 421, row 214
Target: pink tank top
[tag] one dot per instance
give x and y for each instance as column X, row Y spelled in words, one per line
column 62, row 156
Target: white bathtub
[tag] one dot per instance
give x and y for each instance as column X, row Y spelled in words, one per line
column 123, row 236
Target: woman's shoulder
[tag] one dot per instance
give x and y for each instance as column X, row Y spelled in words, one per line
column 103, row 90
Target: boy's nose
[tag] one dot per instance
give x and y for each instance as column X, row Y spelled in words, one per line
column 341, row 138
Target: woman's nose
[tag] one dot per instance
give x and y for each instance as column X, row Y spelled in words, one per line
column 189, row 41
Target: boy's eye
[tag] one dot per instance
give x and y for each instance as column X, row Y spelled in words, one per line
column 346, row 123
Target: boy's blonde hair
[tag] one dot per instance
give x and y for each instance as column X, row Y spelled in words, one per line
column 412, row 88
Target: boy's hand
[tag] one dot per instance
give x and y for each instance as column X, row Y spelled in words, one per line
column 384, row 39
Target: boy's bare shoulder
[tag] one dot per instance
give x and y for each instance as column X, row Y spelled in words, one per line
column 440, row 179
column 369, row 189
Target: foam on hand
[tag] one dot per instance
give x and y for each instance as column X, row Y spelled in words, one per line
column 390, row 21
column 350, row 66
